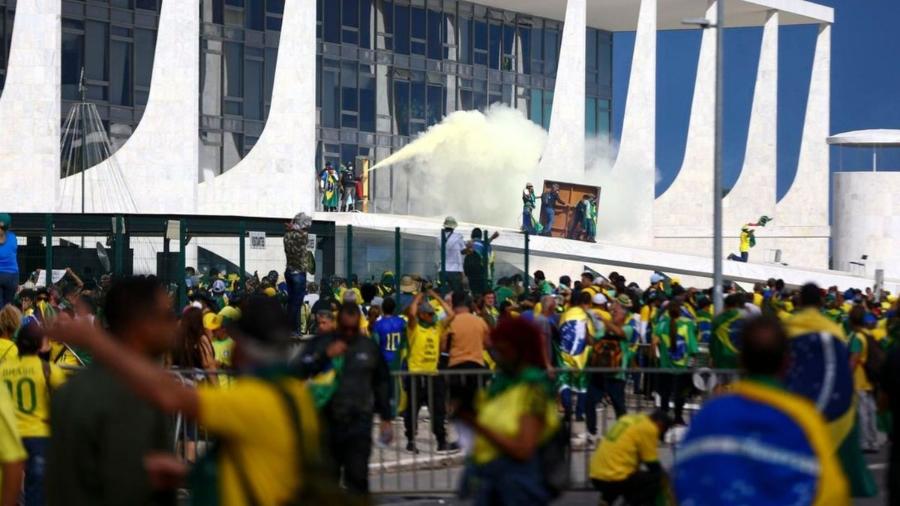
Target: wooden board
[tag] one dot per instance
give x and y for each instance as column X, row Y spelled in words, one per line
column 569, row 194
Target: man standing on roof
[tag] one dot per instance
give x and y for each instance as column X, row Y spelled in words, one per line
column 748, row 239
column 549, row 202
column 529, row 199
column 329, row 185
column 453, row 245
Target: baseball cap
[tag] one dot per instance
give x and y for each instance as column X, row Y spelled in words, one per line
column 655, row 278
column 426, row 307
column 599, row 299
column 218, row 286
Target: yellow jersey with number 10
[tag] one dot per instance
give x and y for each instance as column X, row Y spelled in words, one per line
column 28, row 387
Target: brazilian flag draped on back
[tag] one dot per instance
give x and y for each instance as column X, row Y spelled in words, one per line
column 758, row 444
column 820, row 371
column 575, row 328
column 725, row 341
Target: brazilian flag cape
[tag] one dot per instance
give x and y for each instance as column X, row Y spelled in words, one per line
column 759, row 445
column 725, row 341
column 820, row 371
column 575, row 328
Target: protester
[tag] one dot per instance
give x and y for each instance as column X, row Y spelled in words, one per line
column 423, row 386
column 97, row 418
column 550, row 201
column 329, row 185
column 464, row 343
column 9, row 263
column 859, row 348
column 10, row 321
column 389, row 333
column 31, row 380
column 361, row 389
column 297, row 256
column 626, row 462
column 611, row 351
column 759, row 444
column 529, row 200
column 12, row 455
column 512, row 419
column 452, row 244
column 266, row 418
column 578, row 328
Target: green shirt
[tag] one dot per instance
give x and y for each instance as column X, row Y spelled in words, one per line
column 673, row 355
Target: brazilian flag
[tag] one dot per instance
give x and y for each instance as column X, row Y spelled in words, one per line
column 820, row 371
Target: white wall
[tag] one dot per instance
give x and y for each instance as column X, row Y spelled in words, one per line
column 867, row 221
column 29, row 109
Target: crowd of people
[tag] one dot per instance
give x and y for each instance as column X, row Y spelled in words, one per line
column 96, row 373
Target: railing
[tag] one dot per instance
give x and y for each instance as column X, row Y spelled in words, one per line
column 394, row 470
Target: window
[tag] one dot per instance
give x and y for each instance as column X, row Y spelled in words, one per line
column 367, row 103
column 120, row 73
column 496, row 33
column 95, row 41
column 331, row 93
column 254, row 14
column 144, row 47
column 365, row 24
column 331, row 25
column 401, row 107
column 419, row 29
column 435, row 105
column 401, row 29
column 417, row 100
column 253, row 86
column 72, row 59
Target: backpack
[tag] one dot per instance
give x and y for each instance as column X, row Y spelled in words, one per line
column 606, row 353
column 875, row 359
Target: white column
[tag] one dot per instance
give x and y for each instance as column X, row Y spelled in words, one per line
column 753, row 195
column 278, row 176
column 29, row 109
column 685, row 209
column 632, row 181
column 801, row 228
column 563, row 156
column 159, row 162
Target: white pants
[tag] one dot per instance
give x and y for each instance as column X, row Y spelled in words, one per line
column 868, row 425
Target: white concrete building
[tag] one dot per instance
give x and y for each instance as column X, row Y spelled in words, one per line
column 242, row 127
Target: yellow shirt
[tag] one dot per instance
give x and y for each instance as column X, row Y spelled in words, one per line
column 424, row 347
column 745, row 241
column 11, row 449
column 8, row 350
column 503, row 412
column 257, row 434
column 631, row 441
column 859, row 344
column 25, row 381
column 60, row 354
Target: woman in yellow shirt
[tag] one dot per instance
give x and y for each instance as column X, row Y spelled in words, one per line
column 30, row 380
column 512, row 419
column 10, row 320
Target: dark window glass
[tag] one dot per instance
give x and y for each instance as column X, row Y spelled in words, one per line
column 435, row 48
column 465, row 100
column 349, row 100
column 604, row 61
column 71, row 60
column 417, row 100
column 218, row 12
column 551, row 57
column 273, row 23
column 95, row 40
column 331, row 103
column 271, row 59
column 232, row 108
column 149, row 5
column 496, row 33
column 236, row 3
column 348, row 120
column 275, row 6
column 465, row 40
column 233, row 59
column 253, row 85
column 418, row 23
column 144, row 45
column 480, row 101
column 401, row 106
column 350, row 13
column 365, row 23
column 435, row 105
column 401, row 29
column 331, row 26
column 367, row 103
column 481, row 35
column 120, row 73
column 124, row 4
column 537, row 44
column 591, row 50
column 254, row 14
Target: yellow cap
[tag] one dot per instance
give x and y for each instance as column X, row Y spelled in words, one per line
column 212, row 321
column 230, row 313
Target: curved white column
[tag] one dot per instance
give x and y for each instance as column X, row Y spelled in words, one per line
column 278, row 176
column 563, row 156
column 753, row 195
column 635, row 164
column 159, row 161
column 29, row 109
column 685, row 209
column 801, row 224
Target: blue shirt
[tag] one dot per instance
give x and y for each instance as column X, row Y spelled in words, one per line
column 8, row 262
column 390, row 335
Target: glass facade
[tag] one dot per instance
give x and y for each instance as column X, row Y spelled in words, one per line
column 238, row 51
column 7, row 13
column 113, row 41
column 389, row 69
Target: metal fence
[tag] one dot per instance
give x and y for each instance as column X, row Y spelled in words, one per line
column 427, row 401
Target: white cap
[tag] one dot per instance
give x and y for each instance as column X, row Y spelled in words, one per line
column 599, row 299
column 655, row 278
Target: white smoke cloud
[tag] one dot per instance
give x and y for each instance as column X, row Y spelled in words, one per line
column 474, row 166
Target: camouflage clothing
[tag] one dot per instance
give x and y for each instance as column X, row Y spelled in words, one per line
column 295, row 242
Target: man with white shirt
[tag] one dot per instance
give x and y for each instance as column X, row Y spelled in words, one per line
column 453, row 244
